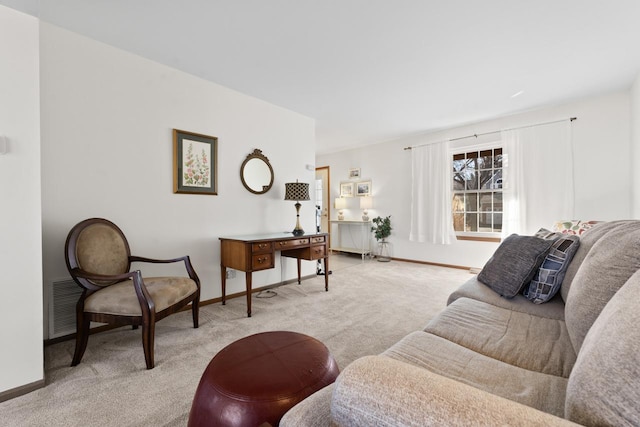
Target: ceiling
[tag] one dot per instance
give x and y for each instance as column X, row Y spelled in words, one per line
column 375, row 70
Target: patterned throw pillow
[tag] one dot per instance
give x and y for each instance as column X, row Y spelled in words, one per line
column 575, row 227
column 545, row 234
column 514, row 264
column 547, row 281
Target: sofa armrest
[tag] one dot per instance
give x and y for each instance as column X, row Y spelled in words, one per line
column 378, row 390
column 314, row 411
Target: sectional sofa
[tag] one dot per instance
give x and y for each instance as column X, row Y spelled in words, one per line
column 491, row 360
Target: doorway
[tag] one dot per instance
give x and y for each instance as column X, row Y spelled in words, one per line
column 323, row 188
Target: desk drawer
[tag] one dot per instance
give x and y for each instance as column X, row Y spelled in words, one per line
column 318, row 239
column 262, row 261
column 262, row 247
column 289, row 244
column 311, row 253
column 316, row 252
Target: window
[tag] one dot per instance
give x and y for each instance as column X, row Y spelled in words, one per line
column 477, row 192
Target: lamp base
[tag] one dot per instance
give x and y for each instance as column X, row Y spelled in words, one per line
column 298, row 231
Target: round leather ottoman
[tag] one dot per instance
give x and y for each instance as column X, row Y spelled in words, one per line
column 256, row 379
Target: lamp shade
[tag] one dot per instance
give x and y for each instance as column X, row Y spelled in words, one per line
column 296, row 191
column 366, row 202
column 340, row 203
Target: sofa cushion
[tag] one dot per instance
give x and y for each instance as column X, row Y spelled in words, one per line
column 608, row 265
column 380, row 391
column 477, row 290
column 603, row 388
column 548, row 279
column 443, row 357
column 519, row 339
column 587, row 240
column 514, row 264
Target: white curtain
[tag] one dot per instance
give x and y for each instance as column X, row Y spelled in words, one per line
column 537, row 177
column 431, row 218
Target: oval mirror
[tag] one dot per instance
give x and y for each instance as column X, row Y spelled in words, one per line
column 256, row 173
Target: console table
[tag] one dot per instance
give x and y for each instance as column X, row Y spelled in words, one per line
column 363, row 247
column 257, row 252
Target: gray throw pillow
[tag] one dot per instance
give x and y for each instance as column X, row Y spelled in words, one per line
column 514, row 264
column 548, row 279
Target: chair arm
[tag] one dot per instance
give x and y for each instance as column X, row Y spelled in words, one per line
column 378, row 390
column 187, row 263
column 134, row 258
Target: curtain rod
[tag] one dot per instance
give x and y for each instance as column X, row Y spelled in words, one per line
column 475, row 135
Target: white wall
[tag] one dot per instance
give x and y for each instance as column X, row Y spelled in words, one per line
column 635, row 145
column 21, row 358
column 107, row 120
column 603, row 176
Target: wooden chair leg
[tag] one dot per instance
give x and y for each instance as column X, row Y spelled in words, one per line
column 148, row 332
column 195, row 306
column 82, row 337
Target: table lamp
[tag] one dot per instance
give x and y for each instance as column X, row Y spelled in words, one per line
column 297, row 191
column 340, row 204
column 365, row 204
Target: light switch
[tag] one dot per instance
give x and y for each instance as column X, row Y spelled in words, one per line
column 4, row 144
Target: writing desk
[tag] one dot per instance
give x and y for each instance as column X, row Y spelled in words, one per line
column 257, row 252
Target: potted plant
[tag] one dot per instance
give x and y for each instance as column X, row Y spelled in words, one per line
column 382, row 230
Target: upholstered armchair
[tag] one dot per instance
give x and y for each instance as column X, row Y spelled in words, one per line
column 99, row 260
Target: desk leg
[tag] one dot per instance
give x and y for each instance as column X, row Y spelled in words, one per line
column 299, row 262
column 326, row 274
column 223, row 272
column 248, row 279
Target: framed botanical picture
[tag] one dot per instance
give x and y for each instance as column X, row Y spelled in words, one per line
column 346, row 189
column 195, row 159
column 363, row 188
column 354, row 173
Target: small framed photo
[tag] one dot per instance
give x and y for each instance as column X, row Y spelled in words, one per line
column 195, row 159
column 363, row 188
column 346, row 189
column 354, row 173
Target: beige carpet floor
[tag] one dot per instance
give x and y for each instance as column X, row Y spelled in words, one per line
column 370, row 305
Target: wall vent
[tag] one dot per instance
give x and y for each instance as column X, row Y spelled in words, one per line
column 63, row 296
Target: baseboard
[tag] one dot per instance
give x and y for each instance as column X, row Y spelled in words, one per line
column 459, row 267
column 254, row 290
column 92, row 331
column 415, row 261
column 19, row 391
column 188, row 307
